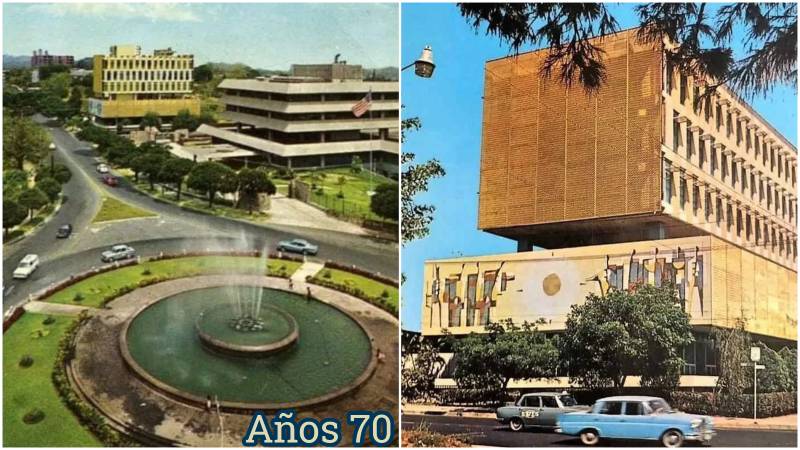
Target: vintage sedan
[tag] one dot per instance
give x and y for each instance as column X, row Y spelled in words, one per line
column 298, row 246
column 539, row 409
column 636, row 417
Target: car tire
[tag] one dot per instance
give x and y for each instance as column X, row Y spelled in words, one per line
column 672, row 439
column 590, row 437
column 516, row 424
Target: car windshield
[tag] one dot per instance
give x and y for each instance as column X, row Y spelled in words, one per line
column 24, row 264
column 567, row 400
column 659, row 406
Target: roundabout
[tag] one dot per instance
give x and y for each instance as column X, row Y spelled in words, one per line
column 151, row 361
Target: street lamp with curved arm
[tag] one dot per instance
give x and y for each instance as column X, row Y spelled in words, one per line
column 423, row 66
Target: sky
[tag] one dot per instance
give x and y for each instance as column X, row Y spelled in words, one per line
column 265, row 36
column 449, row 105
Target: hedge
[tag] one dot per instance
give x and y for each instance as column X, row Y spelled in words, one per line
column 380, row 302
column 770, row 404
column 87, row 415
column 364, row 273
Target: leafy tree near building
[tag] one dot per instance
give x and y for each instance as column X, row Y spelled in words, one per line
column 212, row 177
column 356, row 166
column 150, row 119
column 23, row 140
column 14, row 182
column 185, row 120
column 203, row 73
column 45, row 72
column 488, row 361
column 57, row 85
column 384, row 202
column 13, row 214
column 50, row 187
column 175, row 171
column 420, row 365
column 416, row 217
column 32, row 199
column 151, row 164
column 611, row 337
column 252, row 183
column 121, row 152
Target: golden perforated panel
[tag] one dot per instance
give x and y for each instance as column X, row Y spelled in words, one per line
column 551, row 153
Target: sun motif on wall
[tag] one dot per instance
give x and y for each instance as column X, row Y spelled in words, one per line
column 551, row 284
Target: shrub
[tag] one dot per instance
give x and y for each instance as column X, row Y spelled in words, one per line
column 33, row 416
column 385, row 294
column 78, row 297
column 326, row 274
column 26, row 361
column 770, row 404
column 147, row 272
column 49, row 320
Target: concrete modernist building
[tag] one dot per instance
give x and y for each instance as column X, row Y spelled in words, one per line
column 305, row 119
column 43, row 58
column 128, row 85
column 635, row 184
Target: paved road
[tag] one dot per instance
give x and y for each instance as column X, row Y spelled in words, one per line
column 174, row 229
column 481, row 431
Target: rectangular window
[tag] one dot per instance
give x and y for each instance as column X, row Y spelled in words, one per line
column 676, row 132
column 729, row 216
column 719, row 117
column 734, row 174
column 683, row 88
column 713, row 158
column 748, row 228
column 729, row 125
column 718, row 210
column 667, row 188
column 709, row 206
column 738, row 133
column 683, row 193
column 744, row 179
column 739, row 223
column 689, row 141
column 702, row 151
column 695, row 198
column 748, row 142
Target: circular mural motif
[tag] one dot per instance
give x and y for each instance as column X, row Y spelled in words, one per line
column 551, row 284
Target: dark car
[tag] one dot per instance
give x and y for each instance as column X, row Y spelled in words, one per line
column 110, row 180
column 64, row 231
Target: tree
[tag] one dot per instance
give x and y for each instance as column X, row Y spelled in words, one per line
column 703, row 35
column 57, row 85
column 420, row 365
column 641, row 332
column 32, row 199
column 416, row 217
column 488, row 361
column 50, row 187
column 185, row 120
column 212, row 177
column 13, row 214
column 733, row 350
column 75, row 100
column 45, row 72
column 252, row 183
column 151, row 164
column 150, row 119
column 203, row 73
column 23, row 140
column 14, row 182
column 174, row 171
column 780, row 369
column 121, row 152
column 384, row 202
column 355, row 165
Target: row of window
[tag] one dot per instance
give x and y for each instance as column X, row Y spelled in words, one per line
column 733, row 171
column 148, row 63
column 747, row 137
column 147, row 75
column 344, row 115
column 142, row 86
column 748, row 226
column 332, row 97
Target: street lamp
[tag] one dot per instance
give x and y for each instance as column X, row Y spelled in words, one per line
column 423, row 66
column 52, row 147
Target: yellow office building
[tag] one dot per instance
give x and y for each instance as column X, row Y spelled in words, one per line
column 128, row 84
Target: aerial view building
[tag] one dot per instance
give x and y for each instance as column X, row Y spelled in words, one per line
column 128, row 84
column 648, row 181
column 44, row 58
column 306, row 119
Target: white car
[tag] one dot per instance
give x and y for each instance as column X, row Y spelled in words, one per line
column 102, row 168
column 117, row 253
column 26, row 267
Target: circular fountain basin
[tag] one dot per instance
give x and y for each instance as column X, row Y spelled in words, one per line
column 216, row 328
column 331, row 353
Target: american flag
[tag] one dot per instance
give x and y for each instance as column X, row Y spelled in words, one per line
column 363, row 105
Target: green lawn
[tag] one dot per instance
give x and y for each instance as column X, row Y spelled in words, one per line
column 113, row 209
column 354, row 188
column 370, row 287
column 92, row 291
column 28, row 388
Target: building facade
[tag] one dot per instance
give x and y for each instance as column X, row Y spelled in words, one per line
column 128, row 84
column 44, row 58
column 305, row 119
column 638, row 183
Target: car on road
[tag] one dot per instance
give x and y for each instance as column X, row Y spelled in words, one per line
column 110, row 180
column 26, row 267
column 636, row 417
column 298, row 246
column 118, row 253
column 64, row 231
column 103, row 168
column 538, row 409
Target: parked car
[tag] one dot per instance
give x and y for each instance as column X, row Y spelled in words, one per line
column 64, row 231
column 539, row 409
column 26, row 267
column 117, row 253
column 110, row 180
column 102, row 168
column 298, row 246
column 636, row 417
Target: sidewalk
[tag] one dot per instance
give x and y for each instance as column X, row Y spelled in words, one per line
column 787, row 423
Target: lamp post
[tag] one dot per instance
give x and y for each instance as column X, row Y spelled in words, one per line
column 52, row 147
column 423, row 66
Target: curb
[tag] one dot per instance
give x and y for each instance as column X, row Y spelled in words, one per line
column 40, row 224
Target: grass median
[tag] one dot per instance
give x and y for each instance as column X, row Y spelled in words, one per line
column 367, row 285
column 113, row 209
column 29, row 388
column 95, row 290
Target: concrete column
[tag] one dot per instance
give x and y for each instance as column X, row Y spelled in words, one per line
column 712, row 206
column 695, row 215
column 717, row 149
column 695, row 156
column 322, row 160
column 683, row 123
column 729, row 163
column 707, row 140
column 677, row 206
column 736, row 166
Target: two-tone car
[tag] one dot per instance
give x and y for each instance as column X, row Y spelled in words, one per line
column 298, row 246
column 118, row 253
column 636, row 417
column 538, row 409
